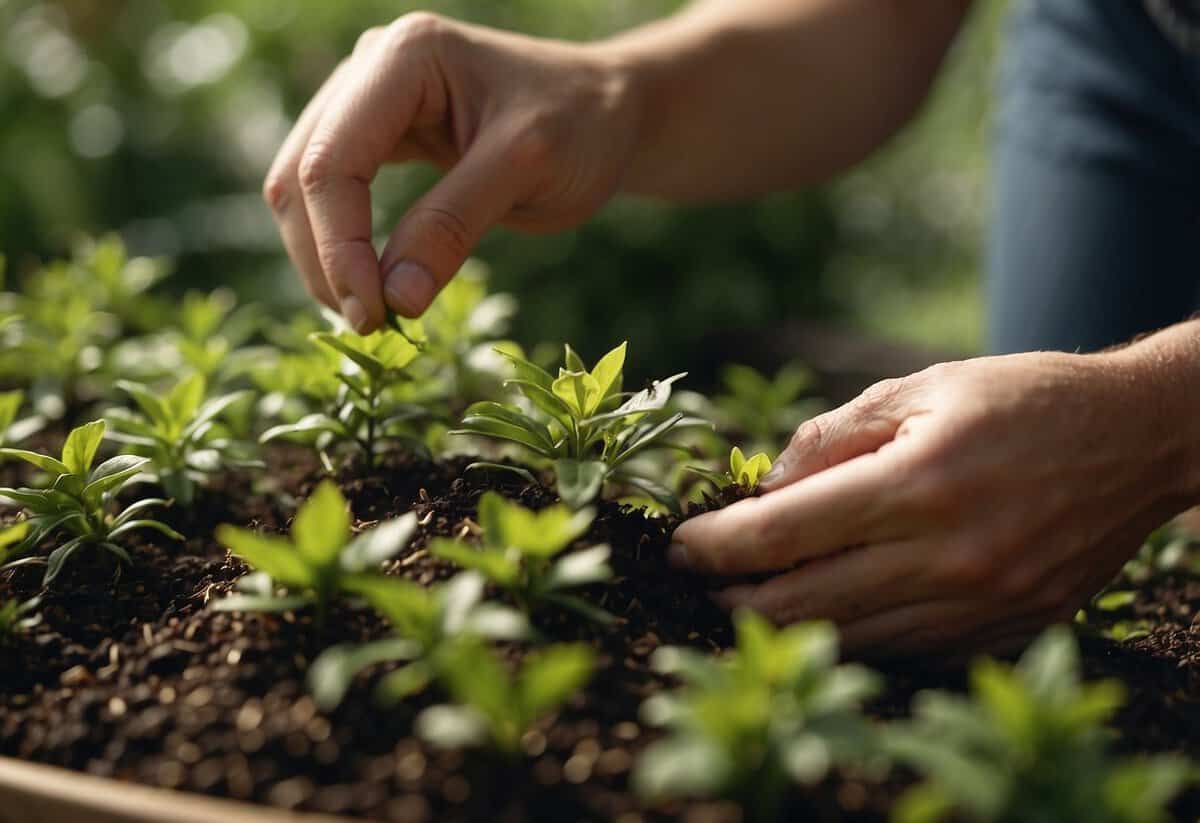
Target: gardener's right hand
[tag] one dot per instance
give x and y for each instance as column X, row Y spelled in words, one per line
column 535, row 135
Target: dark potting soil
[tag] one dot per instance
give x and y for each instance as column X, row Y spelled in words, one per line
column 130, row 675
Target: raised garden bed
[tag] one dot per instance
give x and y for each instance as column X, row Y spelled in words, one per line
column 153, row 701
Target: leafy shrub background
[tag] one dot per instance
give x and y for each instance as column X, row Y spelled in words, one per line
column 158, row 118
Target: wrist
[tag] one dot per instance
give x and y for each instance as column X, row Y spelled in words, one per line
column 1161, row 373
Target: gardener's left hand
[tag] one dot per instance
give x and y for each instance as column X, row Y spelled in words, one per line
column 960, row 509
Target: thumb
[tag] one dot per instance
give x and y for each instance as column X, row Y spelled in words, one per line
column 438, row 233
column 859, row 427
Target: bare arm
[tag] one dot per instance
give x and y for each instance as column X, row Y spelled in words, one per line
column 742, row 98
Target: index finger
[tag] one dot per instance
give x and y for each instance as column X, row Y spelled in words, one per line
column 848, row 505
column 355, row 136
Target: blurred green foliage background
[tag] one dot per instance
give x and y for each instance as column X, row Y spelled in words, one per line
column 158, row 119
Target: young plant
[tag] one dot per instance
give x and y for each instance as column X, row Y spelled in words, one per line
column 76, row 500
column 765, row 410
column 1029, row 744
column 458, row 334
column 320, row 562
column 180, row 434
column 363, row 412
column 583, row 423
column 497, row 709
column 13, row 430
column 775, row 709
column 743, row 472
column 16, row 617
column 424, row 620
column 523, row 553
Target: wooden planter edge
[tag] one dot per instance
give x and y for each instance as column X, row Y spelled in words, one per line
column 34, row 793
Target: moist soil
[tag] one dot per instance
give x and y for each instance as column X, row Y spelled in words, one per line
column 131, row 676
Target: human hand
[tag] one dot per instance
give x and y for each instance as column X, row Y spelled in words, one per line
column 535, row 134
column 957, row 510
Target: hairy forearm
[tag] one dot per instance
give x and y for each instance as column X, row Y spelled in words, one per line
column 1163, row 371
column 744, row 97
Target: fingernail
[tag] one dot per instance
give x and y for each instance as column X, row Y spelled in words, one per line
column 677, row 556
column 355, row 313
column 409, row 288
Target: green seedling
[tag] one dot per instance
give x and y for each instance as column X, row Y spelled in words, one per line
column 13, row 430
column 17, row 617
column 497, row 709
column 363, row 412
column 743, row 471
column 180, row 433
column 318, row 562
column 764, row 410
column 1029, row 744
column 424, row 621
column 523, row 552
column 75, row 501
column 776, row 709
column 582, row 423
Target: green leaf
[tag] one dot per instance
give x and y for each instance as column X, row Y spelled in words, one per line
column 409, row 607
column 538, row 534
column 308, row 425
column 579, row 482
column 403, row 682
column 682, row 767
column 513, row 417
column 572, row 359
column 496, row 565
column 112, row 473
column 273, row 555
column 12, row 535
column 46, row 464
column 650, row 399
column 151, row 405
column 452, row 727
column 133, row 509
column 607, row 373
column 551, row 677
column 526, row 370
column 925, row 803
column 185, row 398
column 59, row 557
column 578, row 390
column 376, row 546
column 132, row 525
column 262, row 603
column 321, row 527
column 80, row 449
column 491, row 427
column 1114, row 601
column 330, row 675
column 10, row 405
column 211, row 410
column 351, row 346
column 581, row 568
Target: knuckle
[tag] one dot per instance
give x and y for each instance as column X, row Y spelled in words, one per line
column 316, row 166
column 808, row 436
column 882, row 393
column 446, row 229
column 418, row 29
column 368, row 37
column 969, row 566
column 535, row 141
column 277, row 192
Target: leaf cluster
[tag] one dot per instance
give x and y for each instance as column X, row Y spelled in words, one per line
column 318, row 562
column 179, row 432
column 1029, row 744
column 582, row 423
column 362, row 411
column 75, row 500
column 744, row 471
column 494, row 707
column 425, row 622
column 524, row 553
column 775, row 709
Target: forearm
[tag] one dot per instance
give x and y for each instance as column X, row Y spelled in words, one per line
column 744, row 97
column 1163, row 372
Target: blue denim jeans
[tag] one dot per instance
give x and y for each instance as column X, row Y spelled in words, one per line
column 1096, row 223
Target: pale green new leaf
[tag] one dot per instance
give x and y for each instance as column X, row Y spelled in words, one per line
column 321, row 527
